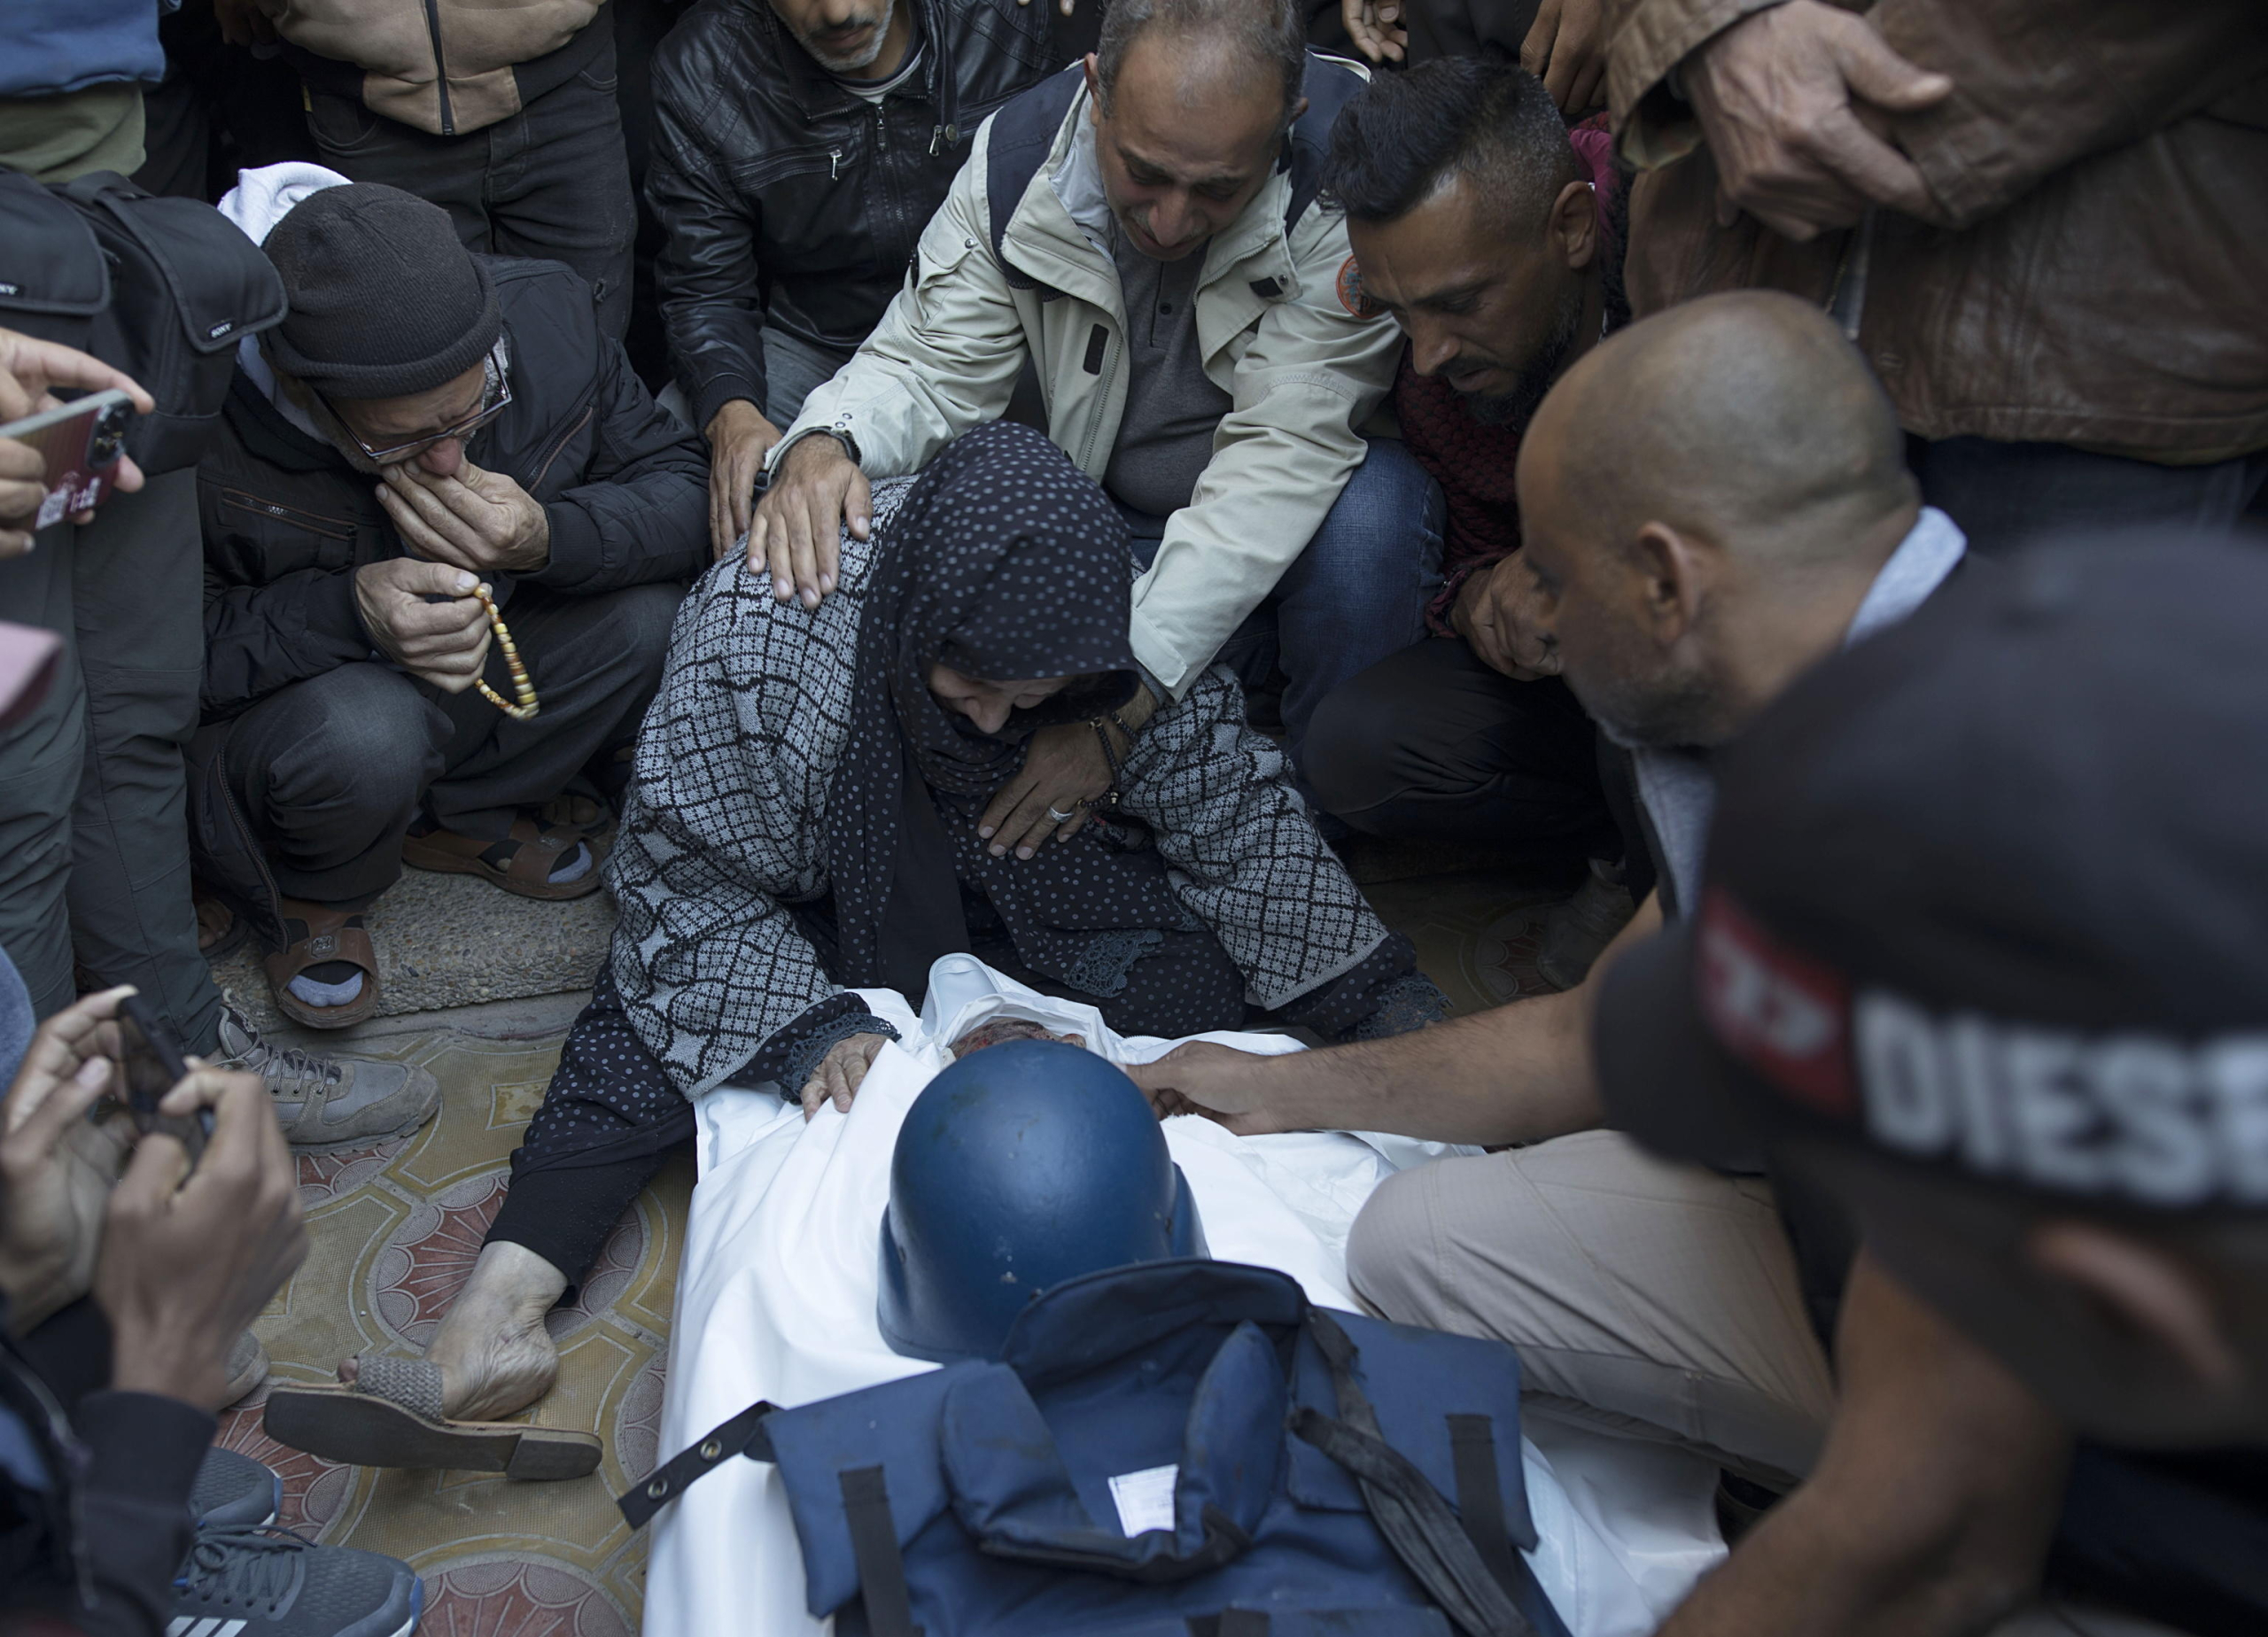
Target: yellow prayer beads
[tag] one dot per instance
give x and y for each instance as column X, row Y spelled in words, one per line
column 528, row 705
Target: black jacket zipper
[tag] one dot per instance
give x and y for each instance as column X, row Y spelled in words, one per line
column 440, row 67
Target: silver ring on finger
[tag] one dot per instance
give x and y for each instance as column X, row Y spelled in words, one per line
column 1060, row 816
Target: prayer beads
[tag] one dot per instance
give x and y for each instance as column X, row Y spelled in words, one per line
column 528, row 705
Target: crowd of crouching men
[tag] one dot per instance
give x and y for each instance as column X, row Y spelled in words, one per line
column 878, row 480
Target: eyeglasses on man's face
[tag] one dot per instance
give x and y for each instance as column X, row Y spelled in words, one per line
column 495, row 395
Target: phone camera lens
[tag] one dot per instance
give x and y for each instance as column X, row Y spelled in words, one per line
column 109, row 436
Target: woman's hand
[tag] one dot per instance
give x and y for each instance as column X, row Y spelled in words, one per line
column 56, row 1171
column 1063, row 770
column 840, row 1072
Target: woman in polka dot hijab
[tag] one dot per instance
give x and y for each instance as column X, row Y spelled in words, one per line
column 1006, row 564
column 810, row 781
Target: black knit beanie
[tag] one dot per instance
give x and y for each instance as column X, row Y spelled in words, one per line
column 386, row 302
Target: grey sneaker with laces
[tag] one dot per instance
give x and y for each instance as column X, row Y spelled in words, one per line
column 256, row 1580
column 234, row 1489
column 329, row 1102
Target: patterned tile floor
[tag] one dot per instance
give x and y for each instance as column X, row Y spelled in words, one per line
column 394, row 1231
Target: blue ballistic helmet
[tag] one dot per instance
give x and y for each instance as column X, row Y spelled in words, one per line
column 1020, row 1167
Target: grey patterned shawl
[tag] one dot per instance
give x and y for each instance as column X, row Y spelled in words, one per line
column 727, row 823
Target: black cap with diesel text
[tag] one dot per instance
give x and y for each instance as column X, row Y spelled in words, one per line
column 1988, row 893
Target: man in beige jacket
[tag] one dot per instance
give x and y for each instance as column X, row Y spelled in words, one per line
column 1145, row 233
column 501, row 111
column 2043, row 221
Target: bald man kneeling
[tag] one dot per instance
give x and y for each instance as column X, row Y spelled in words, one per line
column 1714, row 500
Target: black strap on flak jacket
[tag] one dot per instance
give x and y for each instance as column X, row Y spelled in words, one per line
column 1467, row 1567
column 1464, row 1558
column 1025, row 130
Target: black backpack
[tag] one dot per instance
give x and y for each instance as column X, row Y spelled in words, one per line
column 161, row 288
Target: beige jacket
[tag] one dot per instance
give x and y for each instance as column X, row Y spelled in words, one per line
column 443, row 65
column 1304, row 372
column 2094, row 271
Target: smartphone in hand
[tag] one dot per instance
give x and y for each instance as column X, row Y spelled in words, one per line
column 82, row 441
column 154, row 1065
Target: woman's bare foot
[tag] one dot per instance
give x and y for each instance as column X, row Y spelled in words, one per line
column 495, row 1356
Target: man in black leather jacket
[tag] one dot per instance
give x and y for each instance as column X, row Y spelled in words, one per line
column 800, row 147
column 426, row 422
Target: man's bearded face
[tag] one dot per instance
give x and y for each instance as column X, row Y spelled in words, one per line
column 843, row 38
column 1533, row 376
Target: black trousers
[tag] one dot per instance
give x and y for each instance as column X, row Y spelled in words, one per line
column 1432, row 745
column 2003, row 493
column 550, row 181
column 331, row 770
column 94, row 844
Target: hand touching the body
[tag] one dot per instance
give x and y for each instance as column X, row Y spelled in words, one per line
column 1206, row 1078
column 797, row 535
column 840, row 1072
column 1501, row 611
column 470, row 519
column 1795, row 101
column 444, row 643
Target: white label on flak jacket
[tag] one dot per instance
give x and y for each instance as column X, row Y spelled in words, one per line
column 1144, row 1498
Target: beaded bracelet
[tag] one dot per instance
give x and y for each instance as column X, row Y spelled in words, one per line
column 1109, row 798
column 523, row 711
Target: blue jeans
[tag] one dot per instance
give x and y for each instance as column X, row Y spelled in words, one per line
column 16, row 1023
column 1357, row 593
column 793, row 370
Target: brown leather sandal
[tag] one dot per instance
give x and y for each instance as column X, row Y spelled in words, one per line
column 319, row 933
column 521, row 864
column 220, row 931
column 570, row 809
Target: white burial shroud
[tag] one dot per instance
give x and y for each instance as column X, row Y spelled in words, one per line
column 776, row 1301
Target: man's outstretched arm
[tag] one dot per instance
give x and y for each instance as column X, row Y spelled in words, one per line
column 1519, row 1074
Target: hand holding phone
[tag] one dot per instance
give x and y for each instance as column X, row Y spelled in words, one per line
column 31, row 372
column 79, row 447
column 151, row 1064
column 57, row 1162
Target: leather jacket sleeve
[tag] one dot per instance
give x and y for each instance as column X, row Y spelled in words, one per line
column 2038, row 84
column 641, row 512
column 945, row 355
column 710, row 283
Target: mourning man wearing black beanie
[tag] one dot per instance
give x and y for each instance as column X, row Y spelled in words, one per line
column 426, row 422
